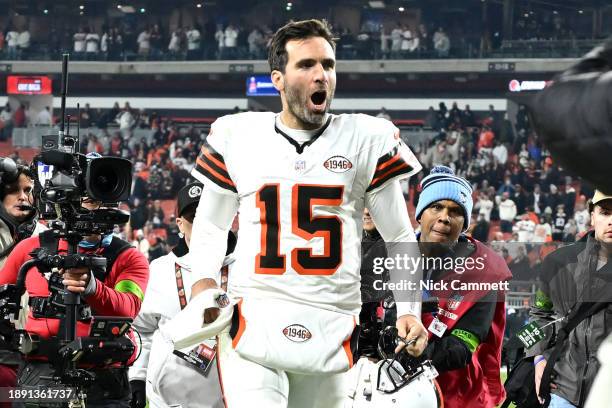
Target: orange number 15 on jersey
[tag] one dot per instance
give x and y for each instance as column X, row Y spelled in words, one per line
column 303, row 224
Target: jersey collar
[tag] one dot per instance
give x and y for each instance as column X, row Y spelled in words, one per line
column 299, row 148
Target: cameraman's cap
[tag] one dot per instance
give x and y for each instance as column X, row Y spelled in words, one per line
column 598, row 197
column 188, row 195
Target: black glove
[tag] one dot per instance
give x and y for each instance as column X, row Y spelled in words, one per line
column 448, row 353
column 139, row 394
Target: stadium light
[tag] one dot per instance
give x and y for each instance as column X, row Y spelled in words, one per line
column 142, row 10
column 46, row 11
column 401, row 9
column 580, row 11
column 199, row 5
column 81, row 7
column 377, row 4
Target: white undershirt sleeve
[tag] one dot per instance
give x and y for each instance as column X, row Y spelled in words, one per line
column 390, row 215
column 214, row 217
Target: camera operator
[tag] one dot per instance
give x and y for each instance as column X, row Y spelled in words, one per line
column 117, row 291
column 18, row 221
column 17, row 215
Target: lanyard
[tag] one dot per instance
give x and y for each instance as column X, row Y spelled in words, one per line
column 180, row 286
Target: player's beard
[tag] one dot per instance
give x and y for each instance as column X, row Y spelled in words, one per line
column 297, row 103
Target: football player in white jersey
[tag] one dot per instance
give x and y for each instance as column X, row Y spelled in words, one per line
column 299, row 181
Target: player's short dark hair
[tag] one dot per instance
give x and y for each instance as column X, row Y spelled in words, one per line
column 296, row 30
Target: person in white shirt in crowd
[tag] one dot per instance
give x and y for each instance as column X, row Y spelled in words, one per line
column 126, row 121
column 176, row 43
column 256, row 42
column 6, row 115
column 484, row 206
column 542, row 232
column 384, row 42
column 231, row 38
column 79, row 42
column 507, row 212
column 144, row 43
column 11, row 39
column 220, row 38
column 410, row 42
column 406, row 41
column 92, row 44
column 524, row 156
column 500, row 153
column 453, row 146
column 441, row 43
column 104, row 41
column 141, row 243
column 396, row 41
column 23, row 43
column 44, row 117
column 524, row 228
column 162, row 378
column 193, row 43
column 582, row 217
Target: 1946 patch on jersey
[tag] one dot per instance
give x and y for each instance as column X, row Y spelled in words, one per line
column 297, row 333
column 338, row 164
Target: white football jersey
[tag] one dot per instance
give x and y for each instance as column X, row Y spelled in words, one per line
column 300, row 206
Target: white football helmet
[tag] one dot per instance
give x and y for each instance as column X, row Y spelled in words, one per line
column 387, row 384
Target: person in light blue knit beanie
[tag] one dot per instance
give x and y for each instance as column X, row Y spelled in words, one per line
column 443, row 184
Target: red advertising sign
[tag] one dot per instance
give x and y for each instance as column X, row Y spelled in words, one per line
column 28, row 85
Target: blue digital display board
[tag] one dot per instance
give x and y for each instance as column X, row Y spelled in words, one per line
column 260, row 85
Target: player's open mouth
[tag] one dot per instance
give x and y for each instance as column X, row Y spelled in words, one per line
column 319, row 100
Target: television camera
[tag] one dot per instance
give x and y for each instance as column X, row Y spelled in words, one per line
column 65, row 178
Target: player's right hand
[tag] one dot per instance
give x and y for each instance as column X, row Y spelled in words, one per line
column 211, row 314
column 409, row 327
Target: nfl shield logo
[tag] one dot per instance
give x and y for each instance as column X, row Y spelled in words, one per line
column 300, row 166
column 454, row 301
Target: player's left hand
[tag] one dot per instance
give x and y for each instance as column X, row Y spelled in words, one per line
column 76, row 279
column 409, row 327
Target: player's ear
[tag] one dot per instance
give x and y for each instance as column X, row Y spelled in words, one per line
column 278, row 80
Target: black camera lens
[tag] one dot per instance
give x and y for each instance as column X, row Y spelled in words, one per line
column 109, row 179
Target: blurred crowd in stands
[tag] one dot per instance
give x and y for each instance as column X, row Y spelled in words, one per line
column 525, row 204
column 520, row 194
column 233, row 38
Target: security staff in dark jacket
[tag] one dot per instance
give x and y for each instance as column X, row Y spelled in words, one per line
column 571, row 275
